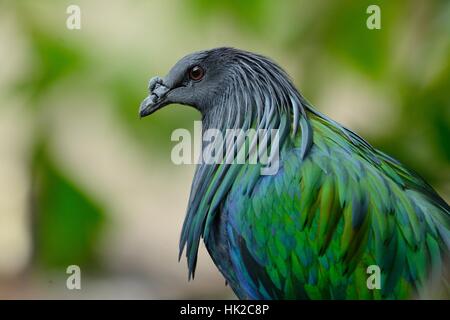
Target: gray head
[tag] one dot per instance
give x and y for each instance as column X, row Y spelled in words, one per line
column 228, row 86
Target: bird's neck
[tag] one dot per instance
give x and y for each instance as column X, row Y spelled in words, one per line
column 262, row 110
column 242, row 107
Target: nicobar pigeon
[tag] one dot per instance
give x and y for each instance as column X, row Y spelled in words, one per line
column 335, row 207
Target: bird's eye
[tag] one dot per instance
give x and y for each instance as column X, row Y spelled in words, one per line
column 196, row 73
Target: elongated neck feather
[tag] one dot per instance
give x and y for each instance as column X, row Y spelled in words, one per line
column 257, row 94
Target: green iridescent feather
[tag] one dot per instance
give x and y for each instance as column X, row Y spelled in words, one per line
column 354, row 207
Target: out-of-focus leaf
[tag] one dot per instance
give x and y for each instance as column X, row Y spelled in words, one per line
column 434, row 106
column 67, row 221
column 52, row 59
column 251, row 14
column 349, row 38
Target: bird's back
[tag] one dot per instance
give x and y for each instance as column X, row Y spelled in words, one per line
column 312, row 230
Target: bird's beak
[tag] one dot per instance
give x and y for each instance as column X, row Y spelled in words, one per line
column 156, row 99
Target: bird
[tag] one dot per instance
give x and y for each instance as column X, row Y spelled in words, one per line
column 336, row 212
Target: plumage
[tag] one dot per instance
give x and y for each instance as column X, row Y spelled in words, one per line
column 336, row 205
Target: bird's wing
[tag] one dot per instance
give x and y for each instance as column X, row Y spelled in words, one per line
column 312, row 230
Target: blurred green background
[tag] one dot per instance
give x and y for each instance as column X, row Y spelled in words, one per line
column 83, row 181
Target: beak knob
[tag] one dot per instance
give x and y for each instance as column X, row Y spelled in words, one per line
column 156, row 99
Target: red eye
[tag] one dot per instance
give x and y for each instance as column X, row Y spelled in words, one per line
column 196, row 73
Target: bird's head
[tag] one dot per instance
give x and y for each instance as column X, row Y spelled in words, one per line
column 195, row 81
column 226, row 85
